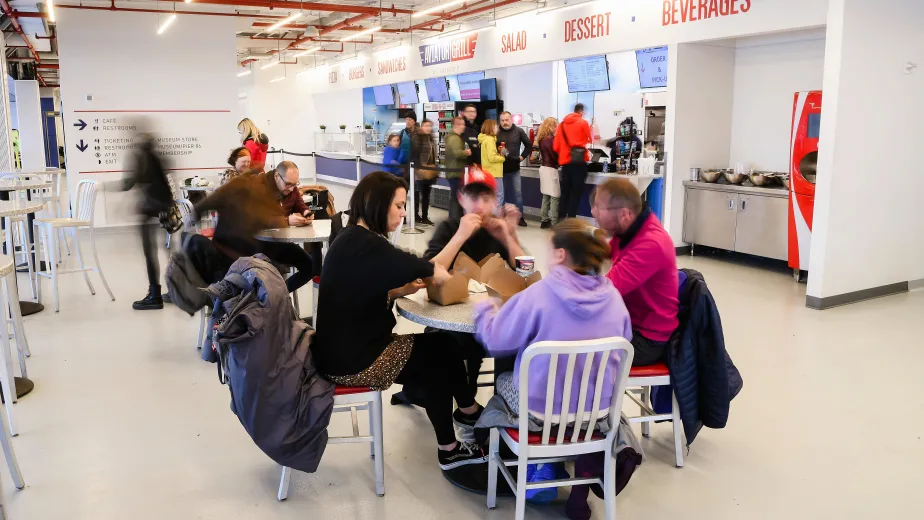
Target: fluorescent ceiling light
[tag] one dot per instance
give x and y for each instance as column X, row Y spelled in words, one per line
column 566, row 5
column 166, row 24
column 470, row 31
column 270, row 64
column 243, row 73
column 361, row 33
column 306, row 51
column 280, row 78
column 284, row 21
column 50, row 7
column 436, row 8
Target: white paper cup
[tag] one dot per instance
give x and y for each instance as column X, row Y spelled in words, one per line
column 526, row 265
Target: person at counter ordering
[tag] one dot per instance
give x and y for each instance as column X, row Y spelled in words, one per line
column 644, row 268
column 518, row 145
column 471, row 133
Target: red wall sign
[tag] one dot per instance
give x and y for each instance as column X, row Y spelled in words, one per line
column 513, row 42
column 357, row 72
column 391, row 65
column 332, row 76
column 587, row 27
column 683, row 11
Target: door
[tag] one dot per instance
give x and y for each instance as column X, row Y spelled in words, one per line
column 762, row 226
column 709, row 218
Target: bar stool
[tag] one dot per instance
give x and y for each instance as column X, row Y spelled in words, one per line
column 9, row 302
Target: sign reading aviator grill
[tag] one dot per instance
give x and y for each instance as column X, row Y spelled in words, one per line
column 444, row 52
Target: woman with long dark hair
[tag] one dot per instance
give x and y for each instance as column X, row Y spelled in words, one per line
column 363, row 275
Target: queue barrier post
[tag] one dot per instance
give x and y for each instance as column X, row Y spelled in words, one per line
column 411, row 228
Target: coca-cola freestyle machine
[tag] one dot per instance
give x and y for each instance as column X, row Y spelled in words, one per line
column 803, row 158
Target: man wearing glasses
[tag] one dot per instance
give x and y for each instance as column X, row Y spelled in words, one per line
column 246, row 205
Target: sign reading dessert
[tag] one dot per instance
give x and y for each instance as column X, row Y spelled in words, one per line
column 587, row 27
column 682, row 11
column 456, row 49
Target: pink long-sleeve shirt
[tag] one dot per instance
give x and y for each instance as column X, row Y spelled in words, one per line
column 645, row 274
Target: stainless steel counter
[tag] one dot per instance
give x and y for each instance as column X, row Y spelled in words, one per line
column 747, row 188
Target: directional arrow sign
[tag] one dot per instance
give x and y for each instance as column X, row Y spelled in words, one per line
column 80, row 124
column 81, row 146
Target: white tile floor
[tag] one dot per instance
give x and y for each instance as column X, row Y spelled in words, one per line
column 127, row 423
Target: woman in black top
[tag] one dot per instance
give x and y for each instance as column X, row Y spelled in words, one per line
column 362, row 276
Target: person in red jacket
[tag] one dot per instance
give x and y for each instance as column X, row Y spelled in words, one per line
column 644, row 268
column 255, row 142
column 573, row 132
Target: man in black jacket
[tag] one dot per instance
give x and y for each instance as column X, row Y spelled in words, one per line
column 470, row 136
column 518, row 145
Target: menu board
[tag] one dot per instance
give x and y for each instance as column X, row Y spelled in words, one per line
column 470, row 86
column 588, row 74
column 384, row 95
column 437, row 91
column 407, row 93
column 652, row 67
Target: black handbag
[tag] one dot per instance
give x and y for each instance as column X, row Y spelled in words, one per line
column 578, row 153
column 170, row 219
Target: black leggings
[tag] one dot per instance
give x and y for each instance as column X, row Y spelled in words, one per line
column 436, row 368
column 149, row 246
column 573, row 178
column 293, row 255
column 648, row 352
column 423, row 197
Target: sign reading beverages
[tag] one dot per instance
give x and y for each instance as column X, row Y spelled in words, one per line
column 683, row 11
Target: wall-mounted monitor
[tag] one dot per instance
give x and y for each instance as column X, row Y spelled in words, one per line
column 652, row 67
column 488, row 89
column 407, row 93
column 384, row 95
column 470, row 86
column 589, row 74
column 437, row 89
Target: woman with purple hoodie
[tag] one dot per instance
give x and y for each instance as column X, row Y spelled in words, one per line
column 574, row 302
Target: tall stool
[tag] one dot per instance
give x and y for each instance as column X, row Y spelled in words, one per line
column 9, row 303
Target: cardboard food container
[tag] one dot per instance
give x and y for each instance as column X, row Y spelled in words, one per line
column 483, row 270
column 506, row 283
column 453, row 291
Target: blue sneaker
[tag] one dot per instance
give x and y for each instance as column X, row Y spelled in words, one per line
column 541, row 473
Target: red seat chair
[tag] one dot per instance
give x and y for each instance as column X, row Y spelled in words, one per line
column 641, row 379
column 353, row 399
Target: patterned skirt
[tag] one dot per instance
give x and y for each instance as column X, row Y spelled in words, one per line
column 383, row 372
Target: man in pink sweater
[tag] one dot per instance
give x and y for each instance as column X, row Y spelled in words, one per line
column 644, row 267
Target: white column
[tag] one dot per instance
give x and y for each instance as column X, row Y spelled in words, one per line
column 868, row 229
column 29, row 116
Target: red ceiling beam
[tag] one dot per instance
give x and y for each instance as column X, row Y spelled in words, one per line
column 346, row 23
column 8, row 11
column 455, row 13
column 296, row 26
column 49, row 66
column 159, row 11
column 308, row 6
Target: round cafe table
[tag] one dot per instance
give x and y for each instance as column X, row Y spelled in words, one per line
column 13, row 208
column 317, row 231
column 454, row 318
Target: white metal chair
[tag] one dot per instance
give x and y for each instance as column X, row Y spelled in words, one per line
column 9, row 306
column 641, row 379
column 82, row 219
column 546, row 448
column 353, row 399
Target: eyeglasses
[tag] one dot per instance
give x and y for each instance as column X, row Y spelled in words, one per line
column 287, row 184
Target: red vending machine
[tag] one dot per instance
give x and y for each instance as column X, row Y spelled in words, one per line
column 803, row 158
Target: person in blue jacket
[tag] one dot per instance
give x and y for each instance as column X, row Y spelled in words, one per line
column 393, row 158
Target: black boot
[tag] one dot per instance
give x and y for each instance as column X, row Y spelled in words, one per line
column 150, row 302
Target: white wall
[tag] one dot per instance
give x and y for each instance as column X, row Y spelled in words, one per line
column 29, row 118
column 115, row 67
column 698, row 125
column 869, row 220
column 766, row 77
column 529, row 88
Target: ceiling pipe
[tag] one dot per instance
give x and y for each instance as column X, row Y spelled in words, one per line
column 14, row 22
column 49, row 66
column 309, row 6
column 346, row 23
column 449, row 15
column 159, row 11
column 294, row 26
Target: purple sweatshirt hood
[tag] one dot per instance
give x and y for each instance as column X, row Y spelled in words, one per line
column 582, row 295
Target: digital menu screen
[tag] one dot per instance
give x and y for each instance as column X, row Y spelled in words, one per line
column 384, row 95
column 588, row 74
column 407, row 93
column 652, row 67
column 437, row 90
column 470, row 86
